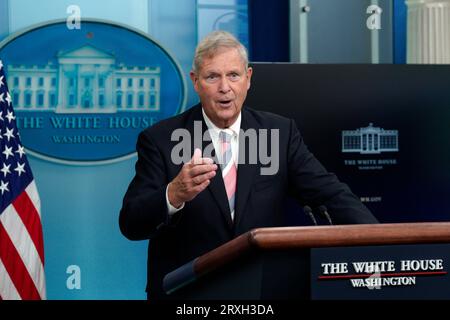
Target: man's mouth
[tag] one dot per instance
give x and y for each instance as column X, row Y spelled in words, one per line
column 225, row 103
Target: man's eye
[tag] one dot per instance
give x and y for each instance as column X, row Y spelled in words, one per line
column 211, row 77
column 234, row 76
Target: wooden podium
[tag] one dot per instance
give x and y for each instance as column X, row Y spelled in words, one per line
column 275, row 263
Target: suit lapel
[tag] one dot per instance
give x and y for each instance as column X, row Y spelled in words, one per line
column 246, row 171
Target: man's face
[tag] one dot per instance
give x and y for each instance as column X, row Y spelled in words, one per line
column 222, row 83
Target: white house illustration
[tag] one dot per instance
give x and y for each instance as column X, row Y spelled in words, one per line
column 85, row 80
column 370, row 140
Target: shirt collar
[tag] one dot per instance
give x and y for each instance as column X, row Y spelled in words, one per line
column 234, row 128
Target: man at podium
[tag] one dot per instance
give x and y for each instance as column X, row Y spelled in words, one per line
column 221, row 169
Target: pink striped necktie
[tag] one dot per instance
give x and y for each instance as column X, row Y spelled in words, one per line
column 229, row 170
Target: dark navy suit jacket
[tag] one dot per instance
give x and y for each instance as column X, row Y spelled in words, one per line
column 205, row 223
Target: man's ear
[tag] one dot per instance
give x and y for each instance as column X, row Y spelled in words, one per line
column 194, row 79
column 249, row 76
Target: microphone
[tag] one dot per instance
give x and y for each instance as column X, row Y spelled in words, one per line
column 308, row 211
column 324, row 213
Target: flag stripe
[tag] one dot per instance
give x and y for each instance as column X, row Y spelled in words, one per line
column 34, row 196
column 7, row 288
column 31, row 219
column 15, row 267
column 24, row 246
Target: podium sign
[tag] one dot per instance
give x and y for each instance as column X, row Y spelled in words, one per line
column 415, row 271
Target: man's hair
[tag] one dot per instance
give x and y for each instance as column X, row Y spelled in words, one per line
column 212, row 43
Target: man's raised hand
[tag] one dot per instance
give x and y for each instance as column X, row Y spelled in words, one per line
column 192, row 179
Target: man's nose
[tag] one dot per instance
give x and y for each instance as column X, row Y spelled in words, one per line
column 224, row 86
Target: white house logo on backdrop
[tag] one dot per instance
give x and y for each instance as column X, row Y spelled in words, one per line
column 83, row 96
column 370, row 140
column 375, row 148
column 88, row 80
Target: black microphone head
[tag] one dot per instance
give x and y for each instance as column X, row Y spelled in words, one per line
column 308, row 211
column 322, row 209
column 324, row 213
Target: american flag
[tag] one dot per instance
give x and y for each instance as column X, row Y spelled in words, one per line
column 21, row 242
